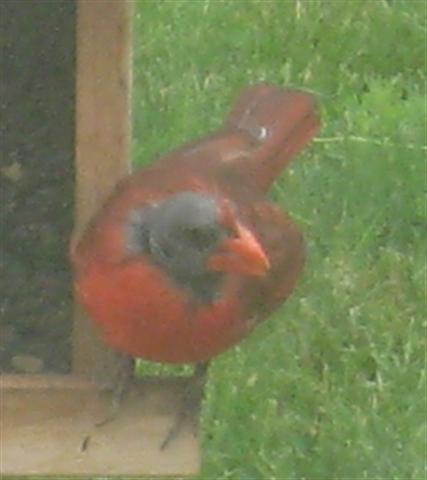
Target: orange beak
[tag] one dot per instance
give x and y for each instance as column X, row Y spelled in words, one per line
column 242, row 254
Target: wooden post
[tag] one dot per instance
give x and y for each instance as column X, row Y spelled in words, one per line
column 103, row 133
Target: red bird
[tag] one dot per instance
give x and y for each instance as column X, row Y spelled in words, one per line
column 187, row 256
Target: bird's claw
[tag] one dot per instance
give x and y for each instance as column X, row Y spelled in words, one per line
column 189, row 403
column 122, row 379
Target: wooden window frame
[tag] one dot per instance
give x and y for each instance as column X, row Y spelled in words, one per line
column 48, row 421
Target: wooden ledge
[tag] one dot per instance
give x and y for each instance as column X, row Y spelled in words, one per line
column 48, row 428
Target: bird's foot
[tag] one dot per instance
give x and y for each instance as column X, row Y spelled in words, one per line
column 189, row 403
column 122, row 379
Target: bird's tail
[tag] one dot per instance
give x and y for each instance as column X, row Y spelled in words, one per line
column 278, row 123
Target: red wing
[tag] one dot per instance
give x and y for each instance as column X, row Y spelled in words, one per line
column 284, row 246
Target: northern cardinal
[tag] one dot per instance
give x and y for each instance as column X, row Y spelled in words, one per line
column 187, row 255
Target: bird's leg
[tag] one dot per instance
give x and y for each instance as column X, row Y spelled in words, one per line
column 189, row 401
column 121, row 380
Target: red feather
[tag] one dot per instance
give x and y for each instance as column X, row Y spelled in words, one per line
column 139, row 309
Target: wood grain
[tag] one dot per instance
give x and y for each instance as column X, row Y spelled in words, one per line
column 103, row 132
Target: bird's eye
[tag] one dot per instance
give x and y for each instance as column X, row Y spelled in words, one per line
column 200, row 238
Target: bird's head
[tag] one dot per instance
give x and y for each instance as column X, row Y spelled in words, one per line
column 191, row 234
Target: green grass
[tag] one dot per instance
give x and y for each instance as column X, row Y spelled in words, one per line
column 333, row 386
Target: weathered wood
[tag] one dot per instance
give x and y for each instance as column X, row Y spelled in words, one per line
column 103, row 130
column 48, row 428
